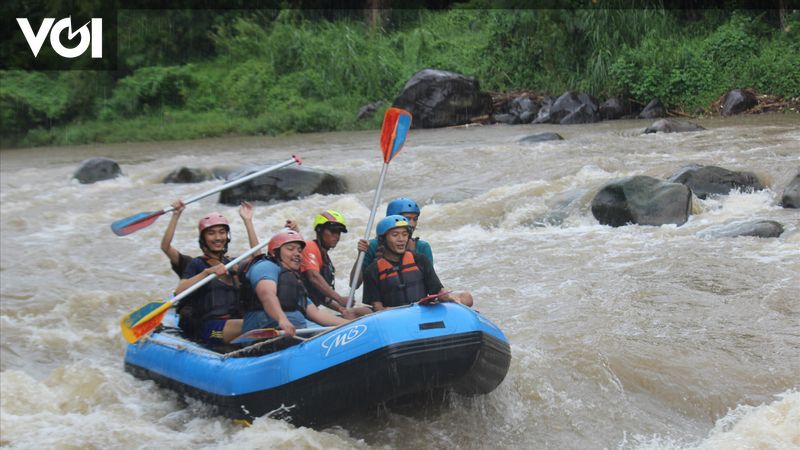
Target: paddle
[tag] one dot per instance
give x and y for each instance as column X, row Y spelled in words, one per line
column 428, row 300
column 396, row 123
column 145, row 319
column 268, row 333
column 136, row 222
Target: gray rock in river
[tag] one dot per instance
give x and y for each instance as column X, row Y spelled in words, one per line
column 189, row 175
column 288, row 183
column 791, row 194
column 713, row 180
column 97, row 169
column 672, row 126
column 653, row 110
column 737, row 101
column 756, row 228
column 615, row 108
column 540, row 137
column 642, row 200
column 438, row 98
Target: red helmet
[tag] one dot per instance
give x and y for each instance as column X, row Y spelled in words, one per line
column 211, row 220
column 284, row 237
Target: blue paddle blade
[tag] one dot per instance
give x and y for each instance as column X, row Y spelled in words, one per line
column 134, row 317
column 135, row 222
column 401, row 131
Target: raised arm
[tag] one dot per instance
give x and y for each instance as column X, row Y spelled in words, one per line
column 246, row 213
column 166, row 241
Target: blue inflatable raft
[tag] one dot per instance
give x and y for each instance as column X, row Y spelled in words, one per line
column 383, row 357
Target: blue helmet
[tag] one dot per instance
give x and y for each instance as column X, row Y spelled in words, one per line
column 402, row 205
column 389, row 222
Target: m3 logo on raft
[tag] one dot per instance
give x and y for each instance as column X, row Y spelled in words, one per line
column 343, row 338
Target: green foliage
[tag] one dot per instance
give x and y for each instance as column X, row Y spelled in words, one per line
column 189, row 73
column 33, row 99
column 149, row 89
column 693, row 71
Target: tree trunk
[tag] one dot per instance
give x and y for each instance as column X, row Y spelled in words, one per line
column 375, row 13
column 782, row 14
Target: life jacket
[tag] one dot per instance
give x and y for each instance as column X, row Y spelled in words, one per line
column 401, row 284
column 292, row 294
column 328, row 273
column 217, row 299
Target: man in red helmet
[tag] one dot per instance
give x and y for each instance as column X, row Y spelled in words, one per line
column 214, row 318
column 273, row 293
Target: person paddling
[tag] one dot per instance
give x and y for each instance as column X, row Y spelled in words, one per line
column 399, row 276
column 272, row 293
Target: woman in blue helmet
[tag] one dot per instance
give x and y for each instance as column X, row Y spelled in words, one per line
column 410, row 210
column 399, row 276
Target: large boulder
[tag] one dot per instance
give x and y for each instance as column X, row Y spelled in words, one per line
column 738, row 101
column 755, row 228
column 791, row 194
column 288, row 183
column 571, row 108
column 97, row 169
column 437, row 98
column 189, row 175
column 615, row 108
column 672, row 126
column 540, row 137
column 653, row 110
column 713, row 180
column 642, row 200
column 524, row 108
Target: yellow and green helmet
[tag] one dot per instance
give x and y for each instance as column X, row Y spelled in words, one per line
column 331, row 219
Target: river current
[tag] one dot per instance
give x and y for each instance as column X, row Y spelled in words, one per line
column 635, row 337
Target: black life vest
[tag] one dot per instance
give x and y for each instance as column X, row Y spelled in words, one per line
column 216, row 299
column 328, row 273
column 292, row 294
column 401, row 284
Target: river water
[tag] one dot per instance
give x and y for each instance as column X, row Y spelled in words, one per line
column 631, row 337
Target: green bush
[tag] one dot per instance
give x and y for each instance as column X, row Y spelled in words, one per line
column 149, row 89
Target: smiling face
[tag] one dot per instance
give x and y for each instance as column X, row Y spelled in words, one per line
column 216, row 238
column 396, row 240
column 291, row 254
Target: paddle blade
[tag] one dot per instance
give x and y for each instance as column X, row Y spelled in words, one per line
column 128, row 225
column 134, row 333
column 431, row 299
column 396, row 124
column 143, row 320
column 256, row 335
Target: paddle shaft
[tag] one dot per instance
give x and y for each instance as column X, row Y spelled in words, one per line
column 249, row 336
column 238, row 181
column 360, row 260
column 199, row 284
